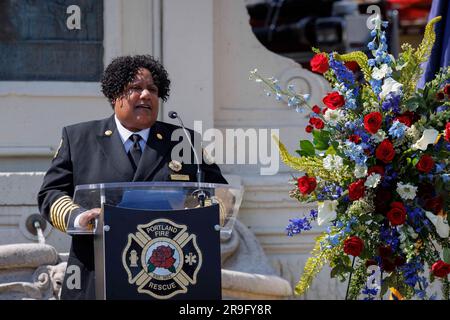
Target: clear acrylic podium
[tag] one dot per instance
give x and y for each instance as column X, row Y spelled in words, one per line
column 158, row 240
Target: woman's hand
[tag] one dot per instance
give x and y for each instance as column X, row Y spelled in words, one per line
column 87, row 218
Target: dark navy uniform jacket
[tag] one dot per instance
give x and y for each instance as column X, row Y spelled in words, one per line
column 90, row 153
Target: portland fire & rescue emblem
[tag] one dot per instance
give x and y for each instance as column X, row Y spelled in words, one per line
column 162, row 259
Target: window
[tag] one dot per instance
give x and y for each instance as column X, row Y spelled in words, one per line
column 37, row 45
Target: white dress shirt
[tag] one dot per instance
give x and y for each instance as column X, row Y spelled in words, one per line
column 125, row 135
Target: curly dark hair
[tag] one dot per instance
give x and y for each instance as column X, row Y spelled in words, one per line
column 122, row 71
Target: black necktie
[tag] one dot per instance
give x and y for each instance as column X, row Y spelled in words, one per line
column 135, row 151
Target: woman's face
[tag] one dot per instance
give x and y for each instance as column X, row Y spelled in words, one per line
column 138, row 107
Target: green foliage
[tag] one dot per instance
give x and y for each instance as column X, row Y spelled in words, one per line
column 306, row 148
column 358, row 281
column 321, row 139
column 446, row 255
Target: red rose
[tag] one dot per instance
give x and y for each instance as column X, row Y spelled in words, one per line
column 319, row 63
column 309, row 128
column 356, row 190
column 435, row 204
column 387, row 265
column 162, row 257
column 316, row 109
column 334, row 100
column 382, row 198
column 407, row 118
column 440, row 95
column 372, row 122
column 425, row 164
column 397, row 214
column 376, row 169
column 352, row 65
column 385, row 251
column 353, row 246
column 370, row 262
column 306, row 185
column 324, row 110
column 319, row 124
column 354, row 138
column 440, row 269
column 447, row 89
column 385, row 151
column 447, row 132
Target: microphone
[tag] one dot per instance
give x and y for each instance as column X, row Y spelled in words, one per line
column 200, row 193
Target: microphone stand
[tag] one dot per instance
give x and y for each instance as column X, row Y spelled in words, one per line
column 200, row 193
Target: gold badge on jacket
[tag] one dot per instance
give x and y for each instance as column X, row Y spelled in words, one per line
column 182, row 177
column 175, row 165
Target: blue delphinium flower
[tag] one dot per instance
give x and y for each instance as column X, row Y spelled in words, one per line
column 296, row 226
column 418, row 220
column 441, row 109
column 410, row 272
column 355, row 152
column 390, row 236
column 380, row 54
column 347, row 82
column 391, row 103
column 370, row 293
column 397, row 130
column 343, row 75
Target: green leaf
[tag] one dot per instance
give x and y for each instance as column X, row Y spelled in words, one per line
column 321, row 146
column 172, row 269
column 384, row 288
column 330, row 150
column 414, row 161
column 446, row 255
column 307, row 147
column 336, row 271
column 302, row 153
column 321, row 139
column 150, row 267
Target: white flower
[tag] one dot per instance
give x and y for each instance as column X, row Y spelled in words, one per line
column 379, row 136
column 390, row 86
column 406, row 191
column 380, row 73
column 333, row 116
column 440, row 223
column 360, row 171
column 332, row 162
column 372, row 180
column 428, row 137
column 326, row 211
column 413, row 133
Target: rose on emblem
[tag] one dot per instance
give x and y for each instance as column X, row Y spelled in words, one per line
column 162, row 257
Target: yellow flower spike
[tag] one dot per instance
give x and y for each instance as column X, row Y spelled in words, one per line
column 312, row 166
column 429, row 38
column 360, row 58
column 412, row 72
column 314, row 265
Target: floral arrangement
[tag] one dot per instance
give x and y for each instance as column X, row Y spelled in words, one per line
column 377, row 166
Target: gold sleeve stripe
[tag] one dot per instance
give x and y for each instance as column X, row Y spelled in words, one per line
column 59, row 210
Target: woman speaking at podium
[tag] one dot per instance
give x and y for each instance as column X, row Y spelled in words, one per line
column 130, row 145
